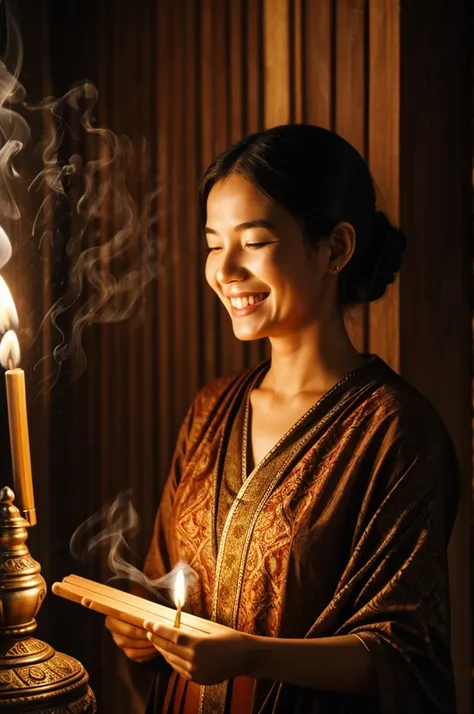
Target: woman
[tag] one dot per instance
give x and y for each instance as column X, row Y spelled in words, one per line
column 315, row 494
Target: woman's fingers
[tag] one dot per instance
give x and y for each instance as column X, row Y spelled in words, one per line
column 132, row 640
column 125, row 629
column 139, row 655
column 181, row 667
column 131, row 643
column 164, row 645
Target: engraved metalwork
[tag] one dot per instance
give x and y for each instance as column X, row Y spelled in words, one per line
column 33, row 677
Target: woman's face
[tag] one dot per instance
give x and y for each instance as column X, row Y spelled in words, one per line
column 258, row 264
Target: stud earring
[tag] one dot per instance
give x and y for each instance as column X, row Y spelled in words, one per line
column 336, row 269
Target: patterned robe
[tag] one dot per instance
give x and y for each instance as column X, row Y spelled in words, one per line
column 341, row 529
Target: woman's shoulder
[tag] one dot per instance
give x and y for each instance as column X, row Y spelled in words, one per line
column 407, row 425
column 395, row 399
column 411, row 435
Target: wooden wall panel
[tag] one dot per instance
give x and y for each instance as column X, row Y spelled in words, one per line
column 351, row 82
column 436, row 283
column 276, row 41
column 188, row 77
column 383, row 153
column 318, row 25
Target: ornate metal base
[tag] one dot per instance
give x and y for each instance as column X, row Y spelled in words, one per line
column 33, row 677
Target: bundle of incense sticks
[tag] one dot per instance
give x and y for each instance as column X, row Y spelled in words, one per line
column 129, row 608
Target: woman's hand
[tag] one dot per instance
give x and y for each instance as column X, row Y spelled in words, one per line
column 132, row 640
column 204, row 659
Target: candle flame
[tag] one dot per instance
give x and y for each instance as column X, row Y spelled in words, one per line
column 179, row 589
column 8, row 313
column 5, row 248
column 9, row 350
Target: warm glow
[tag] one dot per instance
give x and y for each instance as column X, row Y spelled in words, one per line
column 179, row 589
column 9, row 350
column 8, row 313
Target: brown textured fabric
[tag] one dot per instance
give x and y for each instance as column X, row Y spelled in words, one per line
column 341, row 529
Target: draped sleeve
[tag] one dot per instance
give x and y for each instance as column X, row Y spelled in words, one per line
column 395, row 588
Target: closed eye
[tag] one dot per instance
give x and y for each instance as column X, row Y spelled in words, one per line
column 259, row 245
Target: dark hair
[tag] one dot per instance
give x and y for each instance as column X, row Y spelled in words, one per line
column 321, row 180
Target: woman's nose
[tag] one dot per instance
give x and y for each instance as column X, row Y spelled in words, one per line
column 231, row 268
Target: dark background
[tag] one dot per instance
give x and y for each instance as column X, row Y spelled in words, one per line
column 182, row 79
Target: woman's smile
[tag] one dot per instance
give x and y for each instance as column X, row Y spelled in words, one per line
column 245, row 303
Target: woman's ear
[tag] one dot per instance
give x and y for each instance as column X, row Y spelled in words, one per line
column 342, row 242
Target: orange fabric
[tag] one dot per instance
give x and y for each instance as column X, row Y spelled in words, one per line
column 183, row 696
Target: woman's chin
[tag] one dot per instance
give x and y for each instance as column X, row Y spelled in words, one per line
column 247, row 335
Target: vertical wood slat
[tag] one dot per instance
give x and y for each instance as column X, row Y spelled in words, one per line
column 135, row 377
column 146, row 493
column 193, row 248
column 164, row 128
column 103, row 42
column 318, row 49
column 350, row 114
column 117, row 399
column 236, row 77
column 276, row 40
column 253, row 66
column 297, row 61
column 177, row 248
column 383, row 152
column 208, row 126
column 436, row 280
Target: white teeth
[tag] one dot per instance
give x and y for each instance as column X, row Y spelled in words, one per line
column 242, row 302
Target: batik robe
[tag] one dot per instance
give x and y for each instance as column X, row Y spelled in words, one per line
column 341, row 529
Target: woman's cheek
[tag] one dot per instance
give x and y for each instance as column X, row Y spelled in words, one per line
column 210, row 273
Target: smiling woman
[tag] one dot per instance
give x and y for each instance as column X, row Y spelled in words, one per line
column 314, row 495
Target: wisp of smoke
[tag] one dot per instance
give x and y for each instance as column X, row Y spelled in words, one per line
column 112, row 246
column 14, row 133
column 111, row 527
column 14, row 130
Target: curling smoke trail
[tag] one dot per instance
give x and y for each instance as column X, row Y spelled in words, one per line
column 111, row 527
column 107, row 225
column 14, row 133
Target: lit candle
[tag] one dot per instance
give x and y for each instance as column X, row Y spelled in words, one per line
column 179, row 596
column 16, row 402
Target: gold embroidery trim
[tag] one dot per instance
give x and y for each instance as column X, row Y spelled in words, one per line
column 216, row 694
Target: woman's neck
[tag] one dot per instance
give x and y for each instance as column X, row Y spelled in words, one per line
column 313, row 360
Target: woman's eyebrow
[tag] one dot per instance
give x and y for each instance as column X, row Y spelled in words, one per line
column 246, row 225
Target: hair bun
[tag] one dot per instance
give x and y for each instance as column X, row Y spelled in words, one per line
column 378, row 265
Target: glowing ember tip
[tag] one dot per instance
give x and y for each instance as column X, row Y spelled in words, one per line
column 8, row 313
column 179, row 589
column 9, row 350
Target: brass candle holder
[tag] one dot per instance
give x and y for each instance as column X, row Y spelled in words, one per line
column 33, row 676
